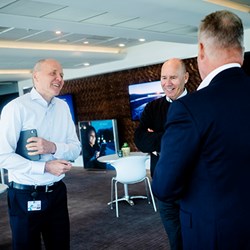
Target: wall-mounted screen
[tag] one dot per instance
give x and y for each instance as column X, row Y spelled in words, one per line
column 98, row 138
column 142, row 93
column 4, row 99
column 69, row 99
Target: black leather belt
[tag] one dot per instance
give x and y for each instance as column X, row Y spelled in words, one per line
column 32, row 188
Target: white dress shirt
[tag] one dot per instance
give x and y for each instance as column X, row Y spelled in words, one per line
column 183, row 94
column 206, row 81
column 52, row 121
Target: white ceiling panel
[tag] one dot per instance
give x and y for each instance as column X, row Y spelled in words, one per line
column 105, row 24
column 41, row 36
column 73, row 14
column 15, row 34
column 30, row 8
column 109, row 19
column 189, row 30
column 137, row 23
column 6, row 2
column 163, row 27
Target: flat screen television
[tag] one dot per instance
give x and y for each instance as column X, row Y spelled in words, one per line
column 4, row 99
column 68, row 98
column 142, row 93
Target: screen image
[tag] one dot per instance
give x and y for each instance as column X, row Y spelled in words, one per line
column 69, row 99
column 4, row 99
column 142, row 93
column 98, row 138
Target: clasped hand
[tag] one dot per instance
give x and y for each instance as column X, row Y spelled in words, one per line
column 38, row 145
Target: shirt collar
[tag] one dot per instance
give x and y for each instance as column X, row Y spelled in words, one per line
column 36, row 96
column 215, row 72
column 183, row 94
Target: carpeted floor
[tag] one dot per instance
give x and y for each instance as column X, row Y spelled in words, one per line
column 94, row 225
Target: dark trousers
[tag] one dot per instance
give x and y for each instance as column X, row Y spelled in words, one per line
column 51, row 222
column 170, row 212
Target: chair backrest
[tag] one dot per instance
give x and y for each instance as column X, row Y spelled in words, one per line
column 3, row 186
column 2, row 176
column 130, row 169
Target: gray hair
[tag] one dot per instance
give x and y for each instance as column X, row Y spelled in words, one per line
column 37, row 66
column 222, row 29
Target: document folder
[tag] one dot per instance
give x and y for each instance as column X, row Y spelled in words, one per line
column 22, row 142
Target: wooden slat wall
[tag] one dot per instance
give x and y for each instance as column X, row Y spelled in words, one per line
column 106, row 96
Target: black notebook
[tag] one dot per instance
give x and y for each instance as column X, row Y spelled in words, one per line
column 22, row 142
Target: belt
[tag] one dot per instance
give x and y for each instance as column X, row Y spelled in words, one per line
column 37, row 188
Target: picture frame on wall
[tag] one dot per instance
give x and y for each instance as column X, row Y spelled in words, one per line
column 98, row 138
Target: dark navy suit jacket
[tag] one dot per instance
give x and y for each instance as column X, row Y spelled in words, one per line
column 205, row 162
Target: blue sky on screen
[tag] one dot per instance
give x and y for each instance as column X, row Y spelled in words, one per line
column 147, row 87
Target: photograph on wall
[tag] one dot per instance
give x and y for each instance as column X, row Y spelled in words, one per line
column 98, row 138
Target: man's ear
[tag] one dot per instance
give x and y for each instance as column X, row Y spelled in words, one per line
column 186, row 77
column 34, row 76
column 201, row 51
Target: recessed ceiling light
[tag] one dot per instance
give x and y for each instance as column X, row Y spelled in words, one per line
column 142, row 40
column 58, row 32
column 86, row 64
column 86, row 42
column 121, row 45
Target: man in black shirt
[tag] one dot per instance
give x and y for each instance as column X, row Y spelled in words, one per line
column 149, row 133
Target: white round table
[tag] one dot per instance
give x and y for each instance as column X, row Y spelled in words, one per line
column 114, row 157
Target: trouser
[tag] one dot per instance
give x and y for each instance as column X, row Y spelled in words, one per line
column 170, row 216
column 51, row 222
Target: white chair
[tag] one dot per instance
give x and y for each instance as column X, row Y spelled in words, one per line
column 130, row 170
column 3, row 186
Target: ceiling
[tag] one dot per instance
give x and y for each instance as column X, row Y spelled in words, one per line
column 91, row 30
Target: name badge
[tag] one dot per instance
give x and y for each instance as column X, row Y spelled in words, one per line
column 34, row 205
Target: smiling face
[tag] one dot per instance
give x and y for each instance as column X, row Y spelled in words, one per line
column 173, row 78
column 48, row 78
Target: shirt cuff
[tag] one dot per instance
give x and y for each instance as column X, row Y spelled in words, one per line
column 37, row 167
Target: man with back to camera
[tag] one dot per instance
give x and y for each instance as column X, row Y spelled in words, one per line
column 205, row 157
column 37, row 196
column 150, row 130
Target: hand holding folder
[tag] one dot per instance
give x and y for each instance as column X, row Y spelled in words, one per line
column 22, row 142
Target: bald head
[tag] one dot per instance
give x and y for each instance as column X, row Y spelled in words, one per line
column 174, row 77
column 48, row 78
